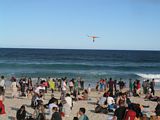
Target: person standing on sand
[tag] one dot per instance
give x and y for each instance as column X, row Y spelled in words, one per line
column 130, row 86
column 64, row 89
column 2, row 82
column 51, row 85
column 71, row 85
column 152, row 85
column 111, row 83
column 14, row 88
column 138, row 89
column 2, row 107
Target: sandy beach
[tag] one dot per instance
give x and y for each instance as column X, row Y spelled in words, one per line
column 12, row 105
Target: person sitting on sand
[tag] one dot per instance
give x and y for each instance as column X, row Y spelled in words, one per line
column 84, row 95
column 157, row 109
column 39, row 113
column 111, row 103
column 120, row 112
column 21, row 113
column 82, row 114
column 52, row 100
column 102, row 104
column 102, row 99
column 56, row 115
column 123, row 96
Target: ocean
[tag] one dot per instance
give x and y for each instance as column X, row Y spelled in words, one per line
column 90, row 65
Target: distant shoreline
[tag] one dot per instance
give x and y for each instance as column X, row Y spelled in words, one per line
column 27, row 48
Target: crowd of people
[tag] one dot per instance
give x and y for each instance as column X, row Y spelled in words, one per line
column 117, row 101
column 57, row 107
column 114, row 99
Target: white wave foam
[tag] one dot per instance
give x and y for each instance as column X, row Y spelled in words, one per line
column 150, row 76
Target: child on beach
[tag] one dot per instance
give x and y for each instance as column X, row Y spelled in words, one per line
column 89, row 88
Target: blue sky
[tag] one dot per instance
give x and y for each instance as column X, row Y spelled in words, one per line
column 120, row 24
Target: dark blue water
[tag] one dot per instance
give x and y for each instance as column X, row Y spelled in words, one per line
column 90, row 65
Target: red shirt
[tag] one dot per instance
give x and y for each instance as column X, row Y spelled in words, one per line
column 138, row 86
column 2, row 108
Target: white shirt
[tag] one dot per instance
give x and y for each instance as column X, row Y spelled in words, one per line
column 39, row 88
column 69, row 101
column 2, row 82
column 102, row 100
column 110, row 100
column 64, row 86
column 50, row 108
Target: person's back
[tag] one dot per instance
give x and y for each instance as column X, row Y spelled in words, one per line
column 157, row 109
column 21, row 113
column 120, row 112
column 82, row 114
column 130, row 115
column 56, row 115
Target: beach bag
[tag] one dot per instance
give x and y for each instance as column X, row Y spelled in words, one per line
column 130, row 115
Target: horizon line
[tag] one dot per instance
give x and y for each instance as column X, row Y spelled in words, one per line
column 78, row 49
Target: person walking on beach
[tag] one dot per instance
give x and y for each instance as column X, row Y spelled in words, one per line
column 152, row 85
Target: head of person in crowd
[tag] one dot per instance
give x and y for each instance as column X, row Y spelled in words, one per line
column 121, row 103
column 67, row 95
column 82, row 111
column 2, row 77
column 22, row 108
column 55, row 109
